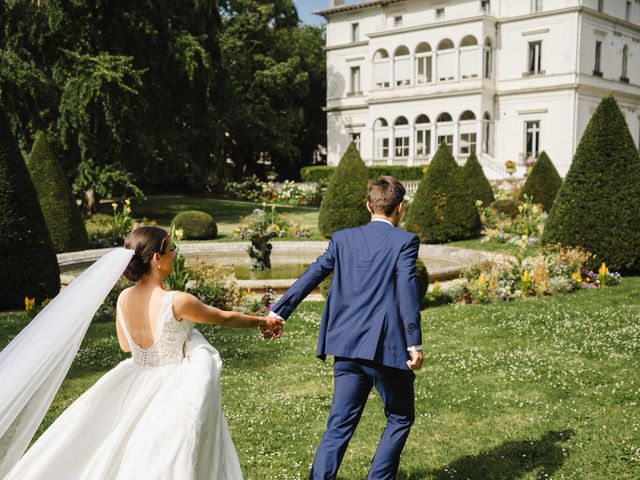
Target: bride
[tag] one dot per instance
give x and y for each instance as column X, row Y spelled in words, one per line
column 156, row 415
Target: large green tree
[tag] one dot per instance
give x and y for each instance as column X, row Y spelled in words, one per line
column 598, row 205
column 135, row 85
column 276, row 86
column 29, row 267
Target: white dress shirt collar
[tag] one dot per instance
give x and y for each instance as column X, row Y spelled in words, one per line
column 382, row 220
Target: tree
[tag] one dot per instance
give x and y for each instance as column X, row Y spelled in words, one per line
column 442, row 210
column 29, row 263
column 598, row 205
column 476, row 182
column 543, row 183
column 140, row 82
column 344, row 203
column 276, row 86
column 59, row 207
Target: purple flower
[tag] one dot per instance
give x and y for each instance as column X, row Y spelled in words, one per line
column 588, row 285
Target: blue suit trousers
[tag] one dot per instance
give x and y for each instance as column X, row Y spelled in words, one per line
column 353, row 381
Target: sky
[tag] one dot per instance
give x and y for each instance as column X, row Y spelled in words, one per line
column 306, row 7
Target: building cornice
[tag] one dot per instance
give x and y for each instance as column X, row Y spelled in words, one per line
column 361, row 43
column 429, row 26
column 358, row 6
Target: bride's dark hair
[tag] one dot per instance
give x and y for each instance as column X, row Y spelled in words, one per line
column 144, row 241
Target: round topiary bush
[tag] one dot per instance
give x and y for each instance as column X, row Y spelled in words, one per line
column 344, row 203
column 442, row 210
column 506, row 206
column 195, row 225
column 598, row 205
column 543, row 183
column 29, row 266
column 421, row 273
column 59, row 207
column 476, row 182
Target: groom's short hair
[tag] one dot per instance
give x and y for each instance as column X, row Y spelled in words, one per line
column 385, row 194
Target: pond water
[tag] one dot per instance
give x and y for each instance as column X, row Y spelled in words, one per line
column 277, row 272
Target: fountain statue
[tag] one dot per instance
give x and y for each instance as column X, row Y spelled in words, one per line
column 260, row 250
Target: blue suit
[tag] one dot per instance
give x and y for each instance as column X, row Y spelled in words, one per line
column 371, row 317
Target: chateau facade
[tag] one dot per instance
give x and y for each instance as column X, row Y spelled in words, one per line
column 504, row 78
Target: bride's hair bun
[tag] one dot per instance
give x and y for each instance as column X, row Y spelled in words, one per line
column 144, row 241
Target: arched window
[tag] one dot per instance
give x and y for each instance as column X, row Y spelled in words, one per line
column 423, row 136
column 468, row 41
column 401, row 137
column 381, row 71
column 381, row 140
column 469, row 57
column 467, row 115
column 424, row 63
column 402, row 66
column 625, row 61
column 468, row 133
column 446, row 58
column 444, row 126
column 487, row 58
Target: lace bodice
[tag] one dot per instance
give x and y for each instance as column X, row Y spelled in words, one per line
column 170, row 337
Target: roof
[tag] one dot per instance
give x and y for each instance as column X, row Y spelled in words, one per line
column 357, row 6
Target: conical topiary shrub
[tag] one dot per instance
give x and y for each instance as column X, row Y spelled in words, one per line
column 442, row 210
column 60, row 210
column 476, row 182
column 543, row 183
column 344, row 203
column 29, row 267
column 598, row 205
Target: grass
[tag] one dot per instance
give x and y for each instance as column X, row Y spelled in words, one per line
column 525, row 390
column 227, row 213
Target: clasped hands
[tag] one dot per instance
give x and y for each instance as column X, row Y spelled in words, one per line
column 271, row 328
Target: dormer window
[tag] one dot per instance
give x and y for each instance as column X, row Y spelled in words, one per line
column 439, row 13
column 397, row 21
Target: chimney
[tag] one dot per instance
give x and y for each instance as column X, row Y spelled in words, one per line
column 335, row 3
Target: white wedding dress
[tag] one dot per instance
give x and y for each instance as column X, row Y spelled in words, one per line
column 156, row 415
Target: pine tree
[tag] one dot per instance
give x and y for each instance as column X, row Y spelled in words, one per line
column 598, row 205
column 29, row 263
column 344, row 203
column 59, row 207
column 543, row 183
column 476, row 182
column 442, row 210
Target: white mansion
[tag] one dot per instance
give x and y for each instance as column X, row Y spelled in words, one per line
column 504, row 78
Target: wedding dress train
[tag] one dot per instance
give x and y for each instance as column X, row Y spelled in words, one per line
column 156, row 415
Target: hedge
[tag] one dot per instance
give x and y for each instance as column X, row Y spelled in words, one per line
column 476, row 182
column 323, row 173
column 598, row 205
column 29, row 263
column 344, row 203
column 195, row 225
column 543, row 183
column 59, row 207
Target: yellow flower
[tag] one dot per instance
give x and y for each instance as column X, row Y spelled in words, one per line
column 481, row 281
column 29, row 303
column 276, row 228
column 179, row 233
column 127, row 202
column 603, row 269
column 478, row 203
column 526, row 276
column 114, row 205
column 576, row 277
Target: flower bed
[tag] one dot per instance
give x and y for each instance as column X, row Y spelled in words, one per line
column 557, row 270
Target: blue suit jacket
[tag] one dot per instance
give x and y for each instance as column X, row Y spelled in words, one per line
column 373, row 310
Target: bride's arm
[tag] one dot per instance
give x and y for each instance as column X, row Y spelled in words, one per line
column 187, row 306
column 122, row 340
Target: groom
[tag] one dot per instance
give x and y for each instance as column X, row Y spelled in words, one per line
column 371, row 325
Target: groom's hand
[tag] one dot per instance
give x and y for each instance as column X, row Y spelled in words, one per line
column 415, row 363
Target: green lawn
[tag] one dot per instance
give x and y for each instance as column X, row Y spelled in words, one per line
column 227, row 213
column 525, row 390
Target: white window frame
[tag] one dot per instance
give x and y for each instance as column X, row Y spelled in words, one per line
column 356, row 139
column 597, row 67
column 355, row 79
column 534, row 59
column 355, row 32
column 530, row 127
